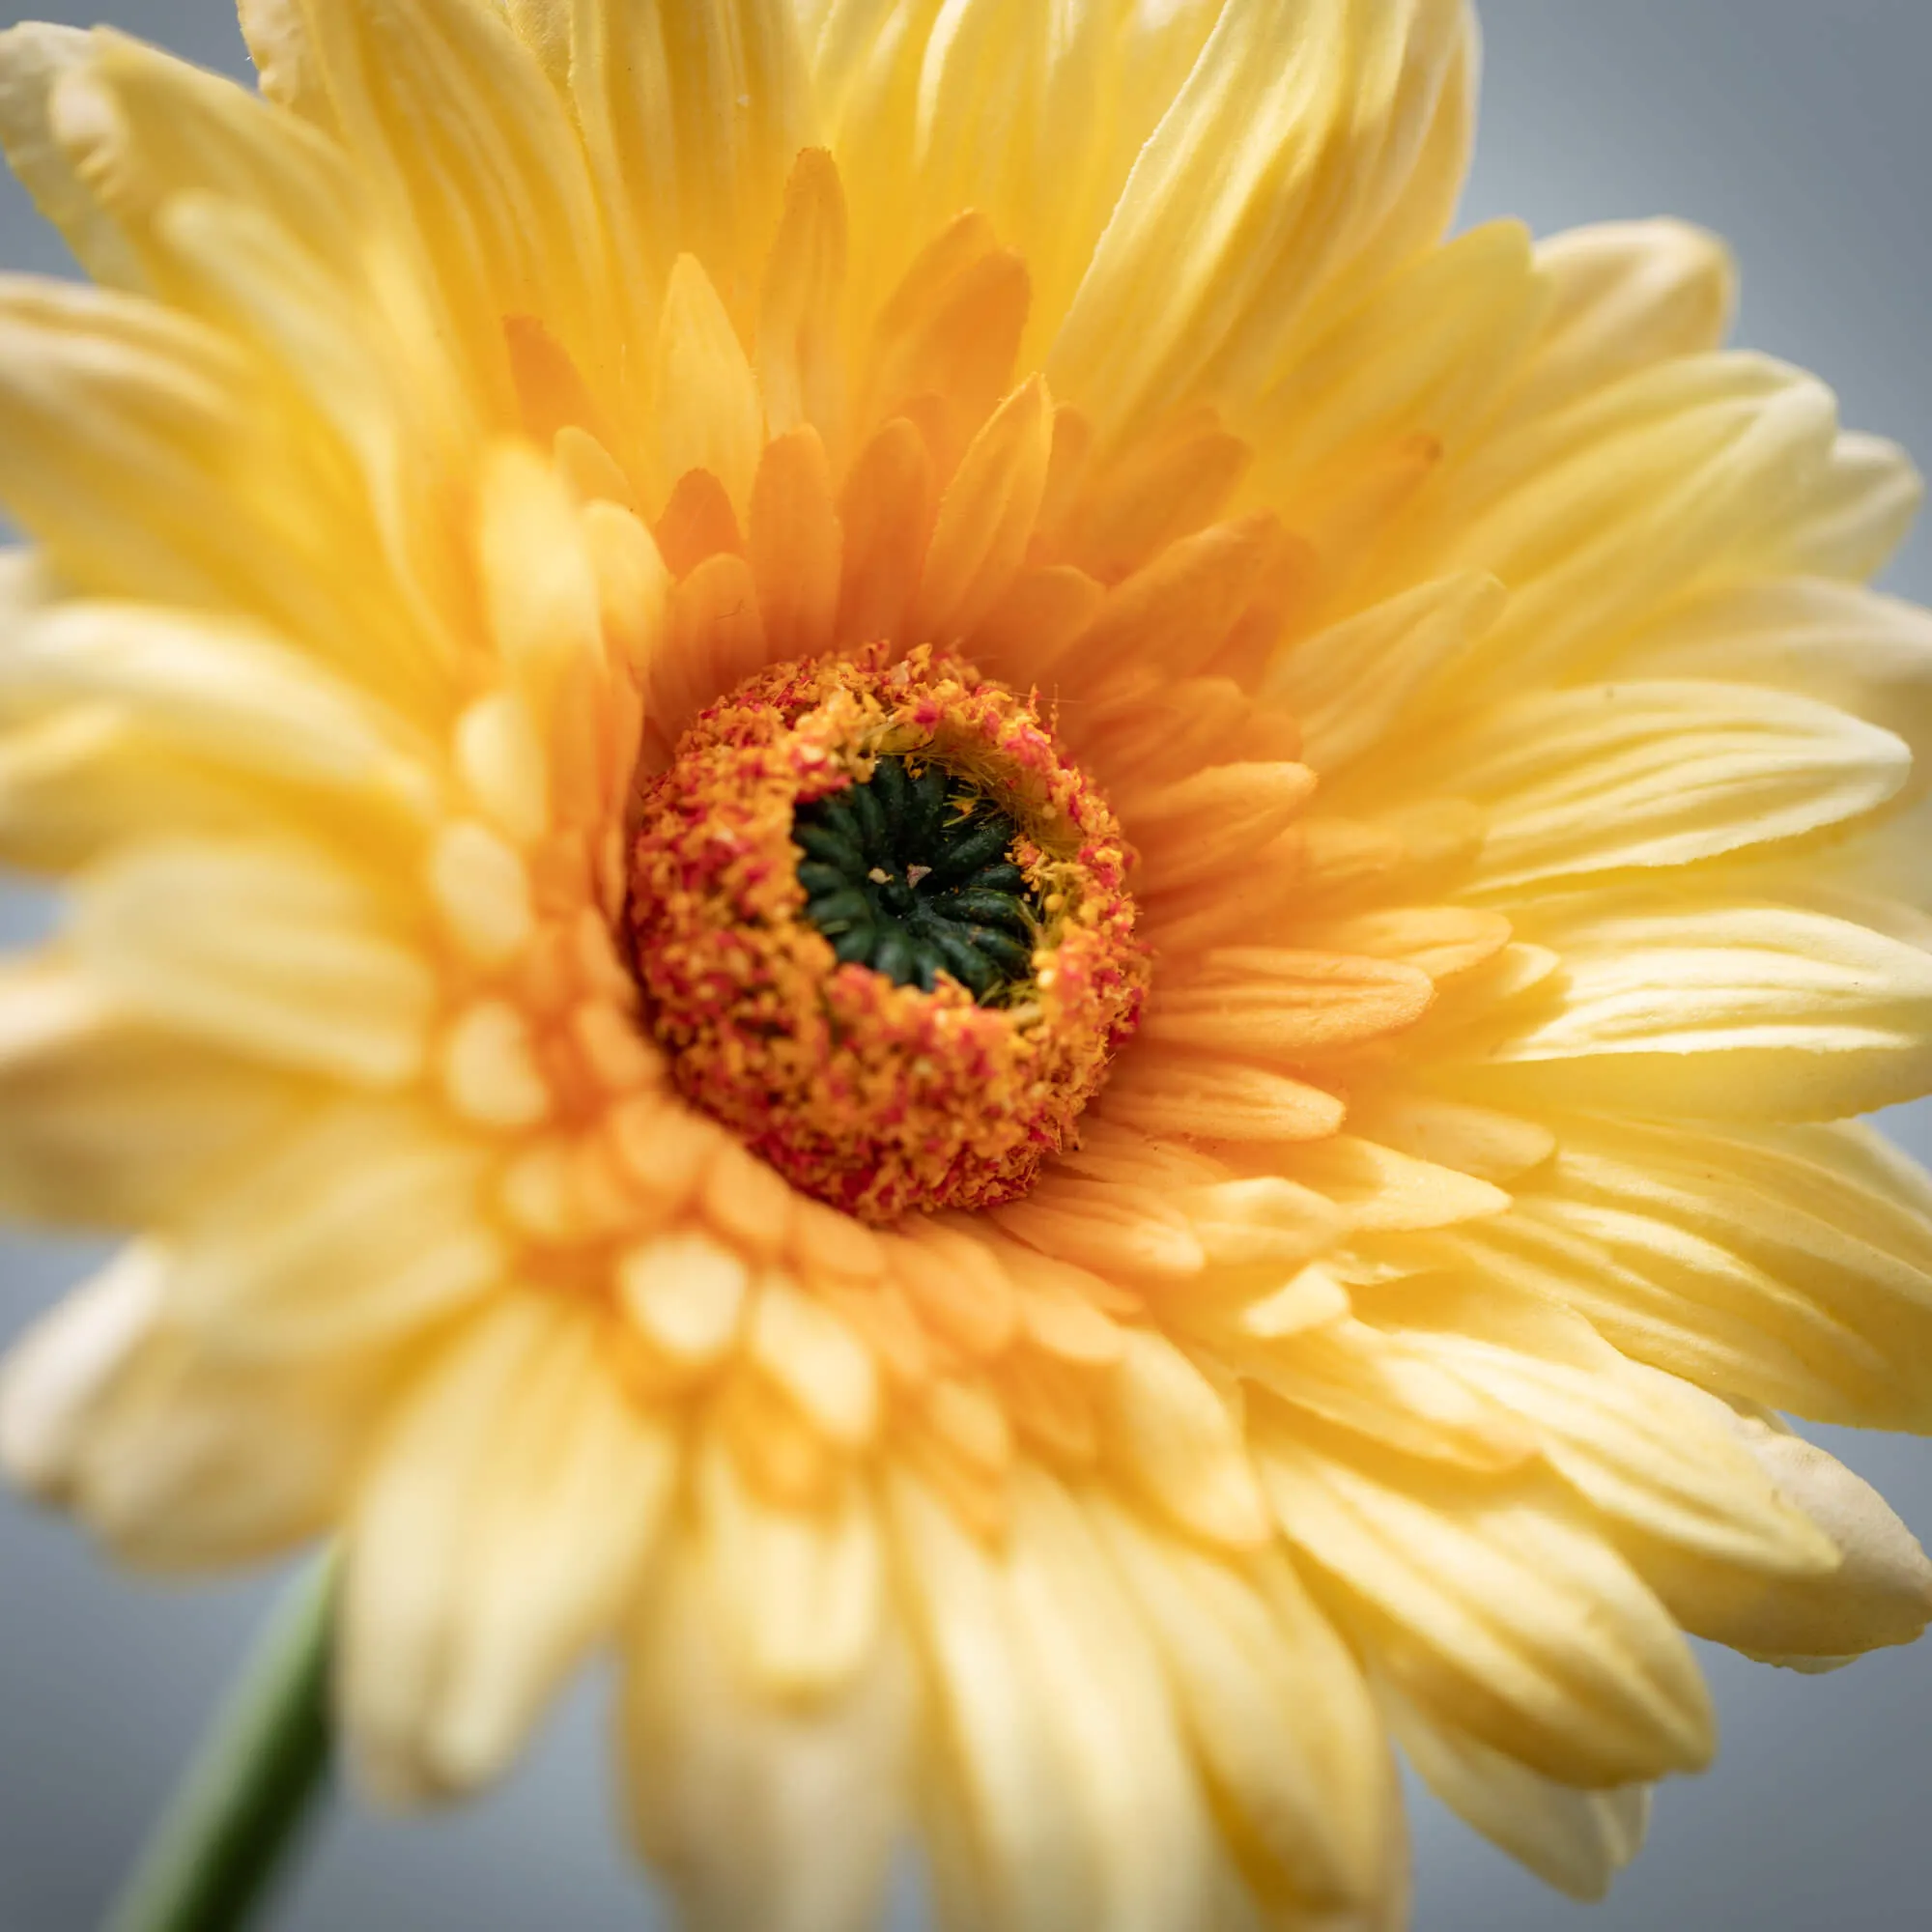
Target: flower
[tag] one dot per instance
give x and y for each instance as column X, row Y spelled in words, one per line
column 898, row 865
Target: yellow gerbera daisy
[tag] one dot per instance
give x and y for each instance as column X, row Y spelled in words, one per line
column 900, row 865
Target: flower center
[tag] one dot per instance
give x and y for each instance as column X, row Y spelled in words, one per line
column 907, row 875
column 884, row 932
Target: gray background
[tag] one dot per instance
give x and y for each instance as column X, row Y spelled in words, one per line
column 1799, row 131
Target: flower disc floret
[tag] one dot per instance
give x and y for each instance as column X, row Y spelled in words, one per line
column 884, row 930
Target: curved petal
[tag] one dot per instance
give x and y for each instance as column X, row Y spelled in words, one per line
column 1722, row 1009
column 1289, row 162
column 1497, row 1609
column 765, row 1813
column 498, row 1537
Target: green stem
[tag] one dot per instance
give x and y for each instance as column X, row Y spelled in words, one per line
column 243, row 1807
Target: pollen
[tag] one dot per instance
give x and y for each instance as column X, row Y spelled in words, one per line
column 885, row 930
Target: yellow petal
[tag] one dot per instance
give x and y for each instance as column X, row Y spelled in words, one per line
column 1811, row 1240
column 1425, row 354
column 63, row 1365
column 708, row 412
column 1179, row 1093
column 489, row 1071
column 365, row 1221
column 499, row 1537
column 692, row 115
column 1280, row 1008
column 106, row 1123
column 1213, row 820
column 286, row 955
column 1450, row 1133
column 795, row 545
column 481, row 888
column 1623, row 294
column 539, row 587
column 1725, row 1010
column 33, row 58
column 1644, row 1449
column 1352, row 684
column 1575, row 1840
column 1114, row 1231
column 506, row 215
column 761, row 1813
column 800, row 1590
column 814, row 1355
column 800, row 355
column 1277, row 1706
column 1377, row 1188
column 1597, row 515
column 1832, row 643
column 1497, row 1610
column 1880, row 1594
column 1389, row 1390
column 1851, row 519
column 987, row 516
column 686, row 1293
column 1228, row 211
column 157, row 1445
column 1067, row 1794
column 286, row 57
column 1596, row 778
column 223, row 690
column 1177, row 1437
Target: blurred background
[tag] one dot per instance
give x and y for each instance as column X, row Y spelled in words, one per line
column 1798, row 130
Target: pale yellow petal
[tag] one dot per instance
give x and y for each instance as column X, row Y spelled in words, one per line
column 133, row 448
column 65, row 1364
column 1080, row 1803
column 1497, row 1609
column 1600, row 777
column 499, row 1537
column 1788, row 1263
column 1179, row 1439
column 1352, row 684
column 1641, row 1447
column 33, row 58
column 1422, row 356
column 157, row 1446
column 1284, row 165
column 934, row 107
column 763, row 1814
column 1723, row 1010
column 800, row 1590
column 365, row 1222
column 1623, row 294
column 1277, row 1705
column 223, row 690
column 692, row 115
column 1853, row 517
column 1834, row 642
column 287, row 955
column 1595, row 515
column 109, row 1122
column 1878, row 1594
column 1575, row 1840
column 505, row 215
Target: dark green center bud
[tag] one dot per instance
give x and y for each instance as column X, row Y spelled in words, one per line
column 913, row 876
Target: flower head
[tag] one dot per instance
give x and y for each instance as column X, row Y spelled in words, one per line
column 900, row 865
